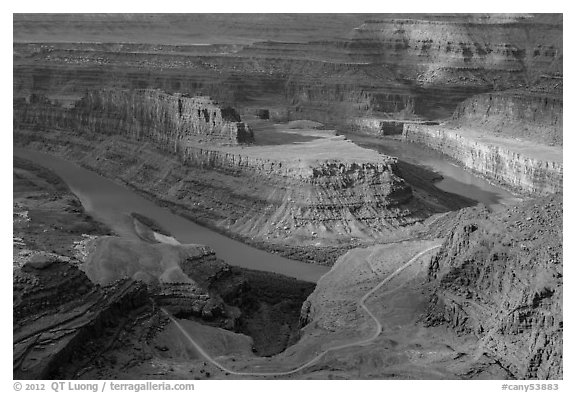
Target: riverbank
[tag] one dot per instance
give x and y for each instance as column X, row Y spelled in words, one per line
column 60, row 246
column 437, row 173
column 230, row 205
column 113, row 203
column 521, row 166
column 285, row 186
column 48, row 217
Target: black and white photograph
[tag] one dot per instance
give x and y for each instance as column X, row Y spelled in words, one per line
column 286, row 196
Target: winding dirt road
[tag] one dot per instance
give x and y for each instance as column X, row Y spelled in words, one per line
column 321, row 354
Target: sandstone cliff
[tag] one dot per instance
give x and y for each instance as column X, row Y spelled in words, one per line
column 153, row 115
column 482, row 50
column 499, row 278
column 400, row 65
column 85, row 301
column 524, row 114
column 527, row 169
column 58, row 312
column 327, row 190
column 381, row 127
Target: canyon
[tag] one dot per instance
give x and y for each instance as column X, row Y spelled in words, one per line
column 519, row 166
column 304, row 136
column 75, row 302
column 513, row 138
column 284, row 185
column 504, row 312
column 387, row 65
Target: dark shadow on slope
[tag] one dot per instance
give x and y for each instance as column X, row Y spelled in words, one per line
column 422, row 179
column 273, row 138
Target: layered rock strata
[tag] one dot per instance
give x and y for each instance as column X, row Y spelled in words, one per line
column 515, row 165
column 499, row 278
column 153, row 115
column 497, row 50
column 403, row 65
column 325, row 189
column 57, row 310
column 524, row 114
column 381, row 127
column 87, row 302
column 182, row 286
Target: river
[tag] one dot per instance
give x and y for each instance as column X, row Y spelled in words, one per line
column 111, row 203
column 456, row 179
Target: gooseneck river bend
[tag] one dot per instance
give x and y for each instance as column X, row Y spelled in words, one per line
column 112, row 203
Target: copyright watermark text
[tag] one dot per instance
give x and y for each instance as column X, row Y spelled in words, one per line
column 528, row 387
column 102, row 386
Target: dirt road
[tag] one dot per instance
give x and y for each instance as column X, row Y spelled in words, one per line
column 362, row 304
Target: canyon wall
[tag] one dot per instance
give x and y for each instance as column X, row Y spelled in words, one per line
column 381, row 127
column 405, row 66
column 498, row 50
column 86, row 302
column 58, row 312
column 499, row 278
column 524, row 114
column 66, row 324
column 145, row 114
column 273, row 194
column 506, row 166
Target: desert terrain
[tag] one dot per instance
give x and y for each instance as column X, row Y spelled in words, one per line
column 287, row 196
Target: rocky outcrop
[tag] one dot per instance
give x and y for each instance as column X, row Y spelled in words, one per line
column 492, row 158
column 185, row 300
column 182, row 273
column 482, row 50
column 520, row 114
column 114, row 258
column 499, row 278
column 101, row 311
column 398, row 65
column 381, row 127
column 57, row 311
column 334, row 198
column 152, row 115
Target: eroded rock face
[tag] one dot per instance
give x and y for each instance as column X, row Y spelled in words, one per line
column 499, row 278
column 181, row 290
column 506, row 164
column 57, row 311
column 517, row 113
column 468, row 49
column 278, row 193
column 401, row 64
column 149, row 114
